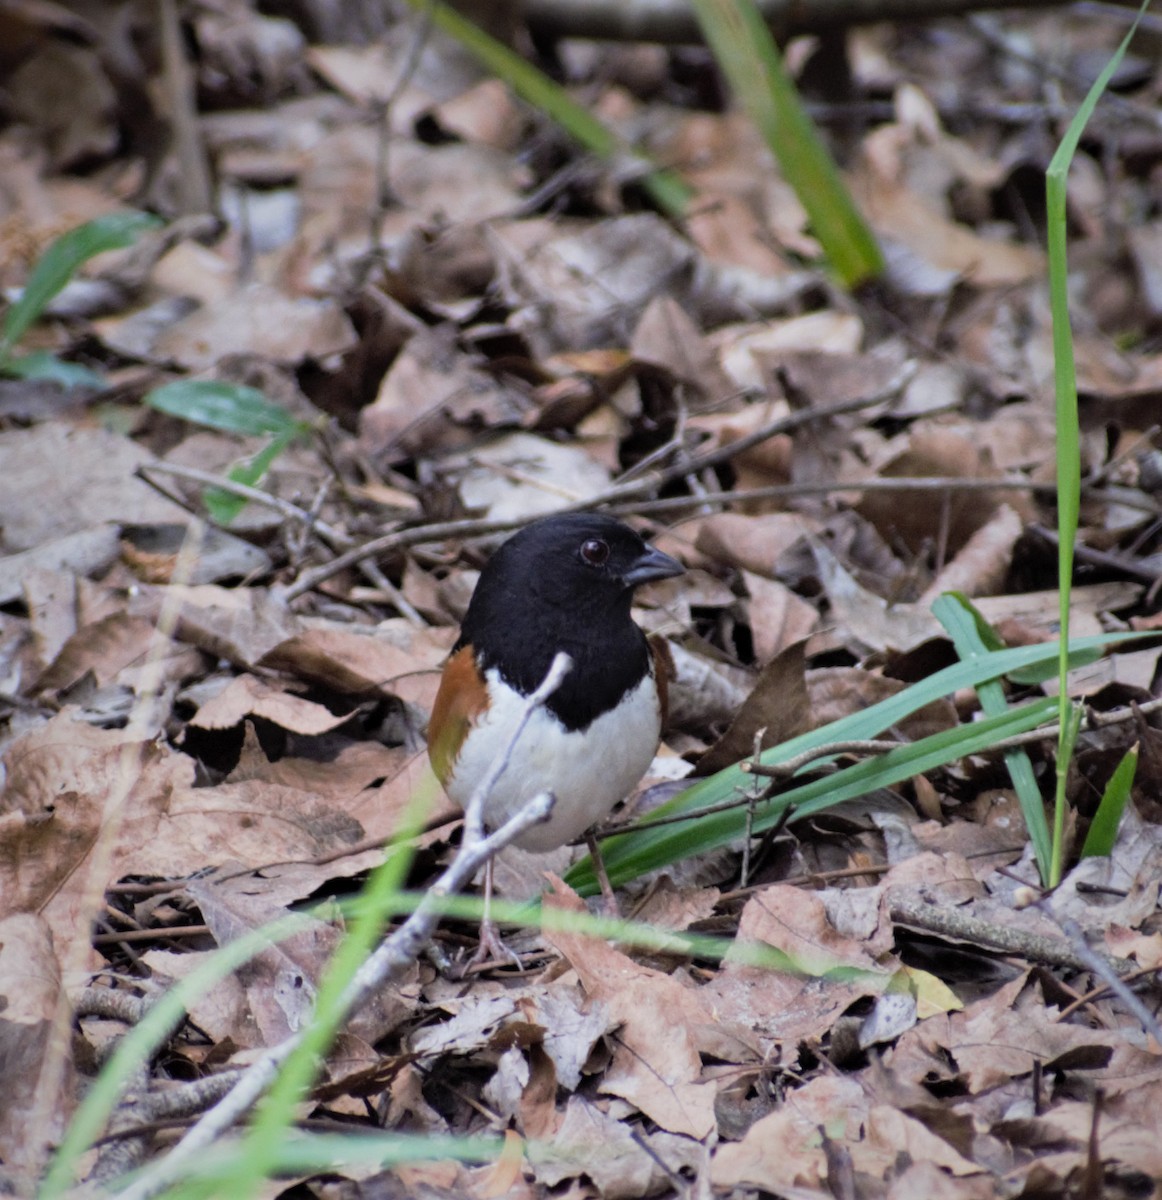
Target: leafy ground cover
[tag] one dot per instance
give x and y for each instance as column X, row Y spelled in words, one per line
column 425, row 316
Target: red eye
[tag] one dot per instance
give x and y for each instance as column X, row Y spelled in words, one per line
column 595, row 552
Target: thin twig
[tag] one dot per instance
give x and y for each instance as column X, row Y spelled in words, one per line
column 1102, row 558
column 284, row 508
column 1126, row 497
column 308, row 520
column 158, row 934
column 787, row 768
column 1108, row 970
column 1103, row 989
column 619, row 493
column 754, row 795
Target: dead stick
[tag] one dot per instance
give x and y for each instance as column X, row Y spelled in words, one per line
column 952, row 923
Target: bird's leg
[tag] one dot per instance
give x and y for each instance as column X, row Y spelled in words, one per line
column 492, row 948
column 609, row 900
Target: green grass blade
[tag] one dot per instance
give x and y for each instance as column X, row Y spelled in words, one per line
column 61, row 261
column 224, row 506
column 632, row 854
column 1103, row 833
column 668, row 844
column 1065, row 386
column 668, row 190
column 308, row 1154
column 40, row 364
column 973, row 637
column 748, row 56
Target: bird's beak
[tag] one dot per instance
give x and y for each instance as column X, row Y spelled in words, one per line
column 653, row 564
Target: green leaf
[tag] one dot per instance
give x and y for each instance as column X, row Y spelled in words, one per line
column 40, row 364
column 230, row 407
column 223, row 506
column 61, row 261
column 974, row 638
column 1103, row 833
column 746, row 52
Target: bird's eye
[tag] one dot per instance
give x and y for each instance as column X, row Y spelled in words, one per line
column 595, row 552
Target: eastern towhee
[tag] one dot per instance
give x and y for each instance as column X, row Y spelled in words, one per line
column 563, row 583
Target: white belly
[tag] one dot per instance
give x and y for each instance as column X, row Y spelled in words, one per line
column 588, row 771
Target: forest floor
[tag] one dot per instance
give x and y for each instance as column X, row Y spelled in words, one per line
column 479, row 323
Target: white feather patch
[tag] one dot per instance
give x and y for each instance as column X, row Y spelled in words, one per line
column 588, row 770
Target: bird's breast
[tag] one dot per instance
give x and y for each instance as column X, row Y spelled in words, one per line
column 588, row 770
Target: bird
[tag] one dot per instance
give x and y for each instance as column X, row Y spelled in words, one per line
column 563, row 583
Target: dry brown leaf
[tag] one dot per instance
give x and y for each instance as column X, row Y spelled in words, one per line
column 900, row 215
column 66, row 779
column 656, row 1066
column 1089, row 606
column 796, row 922
column 62, row 775
column 866, row 621
column 667, row 338
column 51, row 598
column 786, row 1146
column 487, row 113
column 777, row 706
column 754, row 544
column 369, row 784
column 248, row 696
column 560, row 1018
column 704, row 693
column 622, row 1162
column 578, row 286
column 998, row 1038
column 86, row 552
column 762, row 465
column 393, row 659
column 431, row 399
column 950, row 522
column 40, row 501
column 237, row 624
column 30, row 982
column 257, row 320
column 981, row 564
column 521, row 475
column 106, row 648
column 745, row 349
column 668, row 906
column 279, row 983
column 778, row 616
